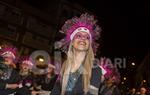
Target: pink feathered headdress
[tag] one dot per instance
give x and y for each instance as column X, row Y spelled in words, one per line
column 85, row 20
column 9, row 52
column 111, row 71
column 26, row 60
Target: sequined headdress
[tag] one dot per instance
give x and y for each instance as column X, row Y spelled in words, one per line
column 110, row 70
column 85, row 22
column 26, row 60
column 9, row 52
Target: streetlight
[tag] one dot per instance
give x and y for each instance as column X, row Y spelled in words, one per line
column 122, row 82
column 133, row 64
column 144, row 81
column 124, row 78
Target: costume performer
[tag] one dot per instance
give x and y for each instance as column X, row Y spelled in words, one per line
column 27, row 78
column 111, row 80
column 76, row 76
column 9, row 80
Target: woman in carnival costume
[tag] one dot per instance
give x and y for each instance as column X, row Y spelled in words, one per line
column 26, row 75
column 80, row 46
column 109, row 85
column 9, row 80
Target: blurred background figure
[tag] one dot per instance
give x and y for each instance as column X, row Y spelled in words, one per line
column 109, row 87
column 46, row 82
column 27, row 78
column 9, row 79
column 132, row 92
column 143, row 91
column 111, row 80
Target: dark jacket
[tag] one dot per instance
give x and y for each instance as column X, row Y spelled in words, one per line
column 27, row 82
column 112, row 90
column 46, row 83
column 14, row 78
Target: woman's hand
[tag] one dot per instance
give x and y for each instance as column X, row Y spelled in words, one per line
column 12, row 86
column 34, row 93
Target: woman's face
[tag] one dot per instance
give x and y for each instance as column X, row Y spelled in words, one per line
column 49, row 70
column 143, row 90
column 81, row 41
column 111, row 80
column 8, row 60
column 25, row 67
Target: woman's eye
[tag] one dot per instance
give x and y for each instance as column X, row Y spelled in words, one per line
column 78, row 36
column 87, row 37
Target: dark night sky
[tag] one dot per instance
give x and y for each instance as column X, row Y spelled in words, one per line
column 124, row 24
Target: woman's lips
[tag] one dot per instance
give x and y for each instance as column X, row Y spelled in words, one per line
column 82, row 43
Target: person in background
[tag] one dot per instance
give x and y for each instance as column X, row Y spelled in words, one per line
column 27, row 78
column 132, row 92
column 143, row 91
column 46, row 81
column 111, row 80
column 9, row 80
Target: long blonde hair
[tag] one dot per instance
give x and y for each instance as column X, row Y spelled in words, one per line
column 87, row 65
